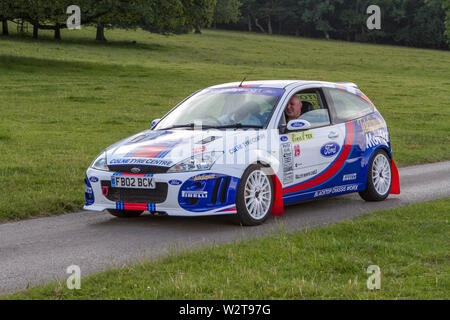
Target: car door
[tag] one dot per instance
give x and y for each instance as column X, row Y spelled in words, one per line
column 306, row 154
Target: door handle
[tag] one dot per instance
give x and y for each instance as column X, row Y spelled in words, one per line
column 333, row 135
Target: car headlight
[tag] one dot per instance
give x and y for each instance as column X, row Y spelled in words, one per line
column 100, row 162
column 198, row 162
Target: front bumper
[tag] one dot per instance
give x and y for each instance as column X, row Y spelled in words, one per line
column 179, row 194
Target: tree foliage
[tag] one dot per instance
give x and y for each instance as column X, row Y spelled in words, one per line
column 159, row 16
column 420, row 23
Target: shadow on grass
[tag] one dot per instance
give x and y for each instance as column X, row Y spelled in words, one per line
column 46, row 39
column 39, row 66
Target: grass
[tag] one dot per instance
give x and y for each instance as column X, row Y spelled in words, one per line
column 62, row 102
column 409, row 244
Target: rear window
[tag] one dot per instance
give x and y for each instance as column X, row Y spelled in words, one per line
column 348, row 106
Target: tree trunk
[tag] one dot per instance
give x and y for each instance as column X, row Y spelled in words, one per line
column 249, row 23
column 197, row 29
column 269, row 25
column 297, row 32
column 35, row 31
column 57, row 32
column 327, row 35
column 259, row 26
column 5, row 27
column 100, row 33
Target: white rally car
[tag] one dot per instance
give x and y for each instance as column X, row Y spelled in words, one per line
column 229, row 149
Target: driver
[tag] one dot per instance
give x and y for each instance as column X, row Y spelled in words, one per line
column 246, row 115
column 293, row 109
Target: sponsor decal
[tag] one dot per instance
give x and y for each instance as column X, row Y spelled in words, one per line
column 374, row 131
column 338, row 189
column 205, row 177
column 175, row 182
column 370, row 125
column 296, row 150
column 349, row 177
column 93, row 179
column 156, row 162
column 376, row 138
column 329, row 149
column 301, row 136
column 288, row 163
column 194, row 194
column 246, row 143
column 198, row 150
column 284, row 138
column 306, row 174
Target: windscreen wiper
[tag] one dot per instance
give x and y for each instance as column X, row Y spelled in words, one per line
column 238, row 126
column 187, row 125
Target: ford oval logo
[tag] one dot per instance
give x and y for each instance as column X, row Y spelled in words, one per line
column 329, row 149
column 175, row 182
column 135, row 170
column 298, row 124
column 284, row 138
column 93, row 179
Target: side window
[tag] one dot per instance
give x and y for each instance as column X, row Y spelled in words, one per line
column 307, row 105
column 348, row 106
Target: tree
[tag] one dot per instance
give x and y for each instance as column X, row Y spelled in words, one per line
column 227, row 11
column 198, row 13
column 446, row 7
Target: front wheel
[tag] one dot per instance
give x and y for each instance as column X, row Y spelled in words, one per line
column 255, row 196
column 379, row 178
column 125, row 213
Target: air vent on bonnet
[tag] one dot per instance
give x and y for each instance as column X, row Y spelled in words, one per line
column 220, row 190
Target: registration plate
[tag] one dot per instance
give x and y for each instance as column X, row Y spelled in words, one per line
column 133, row 182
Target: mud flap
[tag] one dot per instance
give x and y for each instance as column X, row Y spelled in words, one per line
column 395, row 189
column 277, row 209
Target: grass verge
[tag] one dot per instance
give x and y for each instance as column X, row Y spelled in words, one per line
column 409, row 244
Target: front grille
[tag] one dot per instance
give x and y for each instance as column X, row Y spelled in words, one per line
column 126, row 168
column 157, row 195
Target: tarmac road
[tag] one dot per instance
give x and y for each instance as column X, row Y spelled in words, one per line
column 39, row 250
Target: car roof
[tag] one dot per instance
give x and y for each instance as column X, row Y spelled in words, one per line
column 282, row 84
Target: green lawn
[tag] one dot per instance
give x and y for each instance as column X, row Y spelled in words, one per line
column 409, row 244
column 61, row 103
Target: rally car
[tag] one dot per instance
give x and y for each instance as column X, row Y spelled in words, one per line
column 235, row 149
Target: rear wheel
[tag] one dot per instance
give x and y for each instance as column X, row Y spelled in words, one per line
column 379, row 178
column 254, row 199
column 125, row 213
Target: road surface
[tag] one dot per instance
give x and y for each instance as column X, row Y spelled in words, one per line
column 38, row 251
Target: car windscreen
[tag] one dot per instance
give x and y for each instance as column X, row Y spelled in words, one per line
column 224, row 107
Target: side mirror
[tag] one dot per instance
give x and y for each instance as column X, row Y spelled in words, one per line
column 297, row 124
column 154, row 123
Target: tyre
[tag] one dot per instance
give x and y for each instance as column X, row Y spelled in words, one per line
column 379, row 178
column 255, row 196
column 125, row 213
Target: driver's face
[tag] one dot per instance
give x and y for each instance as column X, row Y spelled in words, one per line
column 293, row 109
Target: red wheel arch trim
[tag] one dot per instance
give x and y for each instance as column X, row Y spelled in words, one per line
column 277, row 209
column 395, row 188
